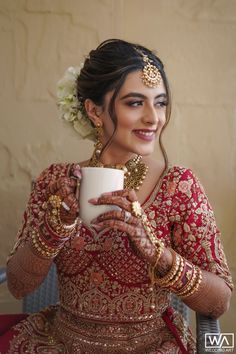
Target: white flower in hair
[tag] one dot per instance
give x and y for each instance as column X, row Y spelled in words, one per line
column 69, row 106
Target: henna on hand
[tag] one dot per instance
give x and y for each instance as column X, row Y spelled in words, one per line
column 165, row 263
column 26, row 269
column 133, row 227
column 66, row 188
column 69, row 214
column 118, row 215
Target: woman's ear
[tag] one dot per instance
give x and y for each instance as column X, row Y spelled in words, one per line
column 93, row 111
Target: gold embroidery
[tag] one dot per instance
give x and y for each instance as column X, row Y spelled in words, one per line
column 107, row 304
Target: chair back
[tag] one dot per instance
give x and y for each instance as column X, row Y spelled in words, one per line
column 46, row 294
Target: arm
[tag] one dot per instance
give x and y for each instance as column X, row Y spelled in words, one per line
column 30, row 260
column 196, row 238
column 203, row 267
column 213, row 296
column 26, row 271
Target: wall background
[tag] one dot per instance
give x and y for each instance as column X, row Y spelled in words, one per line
column 41, row 38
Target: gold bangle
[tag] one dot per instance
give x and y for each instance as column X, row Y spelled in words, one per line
column 175, row 279
column 54, row 222
column 187, row 287
column 185, row 276
column 41, row 252
column 38, row 246
column 195, row 286
column 193, row 283
column 54, row 219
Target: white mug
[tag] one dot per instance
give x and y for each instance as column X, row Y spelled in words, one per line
column 95, row 181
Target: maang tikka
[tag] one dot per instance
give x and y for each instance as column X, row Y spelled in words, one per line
column 151, row 75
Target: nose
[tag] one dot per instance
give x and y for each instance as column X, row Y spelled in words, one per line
column 150, row 116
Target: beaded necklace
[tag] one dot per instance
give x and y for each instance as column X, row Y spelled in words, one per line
column 134, row 169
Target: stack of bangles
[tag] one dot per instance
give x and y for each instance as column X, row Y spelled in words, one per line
column 184, row 278
column 51, row 235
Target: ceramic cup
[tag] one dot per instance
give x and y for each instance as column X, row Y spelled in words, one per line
column 95, row 181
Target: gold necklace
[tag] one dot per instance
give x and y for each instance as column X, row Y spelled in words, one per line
column 135, row 170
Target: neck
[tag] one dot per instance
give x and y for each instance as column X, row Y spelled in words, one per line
column 134, row 169
column 111, row 158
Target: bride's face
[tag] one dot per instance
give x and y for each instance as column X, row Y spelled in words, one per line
column 141, row 115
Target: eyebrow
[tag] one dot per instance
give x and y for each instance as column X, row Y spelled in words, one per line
column 140, row 95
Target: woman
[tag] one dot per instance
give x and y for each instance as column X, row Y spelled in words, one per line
column 116, row 275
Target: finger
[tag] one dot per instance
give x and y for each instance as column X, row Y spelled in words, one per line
column 121, row 215
column 53, row 187
column 72, row 203
column 69, row 209
column 75, row 171
column 116, row 224
column 112, row 200
column 125, row 193
column 137, row 236
column 77, row 189
column 64, row 184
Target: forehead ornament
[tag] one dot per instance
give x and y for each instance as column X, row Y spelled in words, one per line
column 151, row 75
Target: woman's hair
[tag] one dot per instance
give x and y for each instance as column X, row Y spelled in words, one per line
column 106, row 68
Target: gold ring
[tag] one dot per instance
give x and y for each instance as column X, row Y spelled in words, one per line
column 127, row 216
column 65, row 206
column 136, row 209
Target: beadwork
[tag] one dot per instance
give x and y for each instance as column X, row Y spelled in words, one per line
column 135, row 170
column 151, row 75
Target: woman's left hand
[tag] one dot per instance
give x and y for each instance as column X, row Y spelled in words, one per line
column 124, row 220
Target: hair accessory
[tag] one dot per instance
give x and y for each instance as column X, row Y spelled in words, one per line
column 71, row 109
column 151, row 75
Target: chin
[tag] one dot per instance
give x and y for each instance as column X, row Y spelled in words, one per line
column 145, row 151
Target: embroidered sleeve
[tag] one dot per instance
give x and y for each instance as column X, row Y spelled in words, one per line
column 33, row 213
column 195, row 234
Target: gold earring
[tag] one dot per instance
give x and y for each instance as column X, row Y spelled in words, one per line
column 98, row 145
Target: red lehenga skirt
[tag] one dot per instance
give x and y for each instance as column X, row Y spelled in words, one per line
column 7, row 332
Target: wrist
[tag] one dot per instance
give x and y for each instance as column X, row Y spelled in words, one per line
column 180, row 276
column 165, row 263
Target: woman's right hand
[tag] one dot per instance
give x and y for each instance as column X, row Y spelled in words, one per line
column 67, row 188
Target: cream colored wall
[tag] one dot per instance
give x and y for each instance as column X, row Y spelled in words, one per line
column 196, row 40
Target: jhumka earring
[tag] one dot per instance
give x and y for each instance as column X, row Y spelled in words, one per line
column 151, row 75
column 98, row 144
